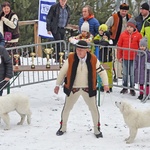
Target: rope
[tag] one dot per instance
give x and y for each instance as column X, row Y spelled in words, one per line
column 110, row 98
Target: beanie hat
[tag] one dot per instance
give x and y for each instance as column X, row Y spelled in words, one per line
column 145, row 6
column 143, row 42
column 124, row 6
column 85, row 26
column 82, row 44
column 103, row 27
column 107, row 33
column 131, row 22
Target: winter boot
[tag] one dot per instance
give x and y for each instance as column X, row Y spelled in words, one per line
column 132, row 92
column 98, row 133
column 140, row 97
column 60, row 131
column 110, row 89
column 123, row 91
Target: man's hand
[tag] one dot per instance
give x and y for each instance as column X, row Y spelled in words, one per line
column 49, row 32
column 7, row 79
column 56, row 89
column 106, row 88
column 120, row 60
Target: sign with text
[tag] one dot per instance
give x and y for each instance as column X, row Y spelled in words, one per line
column 44, row 6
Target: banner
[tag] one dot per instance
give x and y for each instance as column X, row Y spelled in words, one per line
column 44, row 6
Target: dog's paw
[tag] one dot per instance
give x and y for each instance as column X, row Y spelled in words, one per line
column 7, row 128
column 19, row 123
column 129, row 141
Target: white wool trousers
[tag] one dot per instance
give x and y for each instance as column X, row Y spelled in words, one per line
column 92, row 105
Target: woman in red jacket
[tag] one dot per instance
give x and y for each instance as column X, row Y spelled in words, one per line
column 129, row 41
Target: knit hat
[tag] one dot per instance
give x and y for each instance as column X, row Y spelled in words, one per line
column 143, row 42
column 82, row 44
column 131, row 22
column 103, row 27
column 85, row 26
column 124, row 6
column 107, row 33
column 145, row 6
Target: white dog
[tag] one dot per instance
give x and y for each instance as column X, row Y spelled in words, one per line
column 17, row 102
column 134, row 119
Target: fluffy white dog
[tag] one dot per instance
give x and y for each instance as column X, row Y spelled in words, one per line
column 134, row 119
column 17, row 102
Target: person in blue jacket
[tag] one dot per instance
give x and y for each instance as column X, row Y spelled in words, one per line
column 88, row 15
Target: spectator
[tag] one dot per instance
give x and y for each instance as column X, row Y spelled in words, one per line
column 85, row 34
column 57, row 19
column 88, row 15
column 80, row 80
column 130, row 38
column 116, row 25
column 140, row 68
column 102, row 28
column 10, row 27
column 6, row 69
column 144, row 14
column 106, row 57
column 145, row 31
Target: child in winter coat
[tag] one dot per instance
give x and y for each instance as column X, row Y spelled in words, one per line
column 105, row 56
column 102, row 28
column 140, row 68
column 130, row 39
column 85, row 34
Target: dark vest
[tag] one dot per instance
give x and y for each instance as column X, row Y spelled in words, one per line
column 73, row 61
column 15, row 32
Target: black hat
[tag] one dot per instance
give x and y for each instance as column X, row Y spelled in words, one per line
column 124, row 6
column 107, row 33
column 82, row 44
column 145, row 6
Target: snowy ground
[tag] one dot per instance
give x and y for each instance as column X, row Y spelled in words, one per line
column 46, row 109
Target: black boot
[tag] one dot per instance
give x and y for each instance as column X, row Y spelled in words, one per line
column 100, row 135
column 132, row 92
column 59, row 133
column 140, row 97
column 123, row 91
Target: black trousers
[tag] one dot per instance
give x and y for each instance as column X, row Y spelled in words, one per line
column 59, row 35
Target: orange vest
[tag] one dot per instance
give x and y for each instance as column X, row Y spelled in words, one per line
column 117, row 26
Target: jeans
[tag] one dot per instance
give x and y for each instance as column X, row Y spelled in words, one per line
column 59, row 36
column 128, row 71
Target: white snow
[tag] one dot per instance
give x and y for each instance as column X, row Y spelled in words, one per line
column 46, row 111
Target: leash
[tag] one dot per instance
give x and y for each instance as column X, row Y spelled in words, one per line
column 110, row 97
column 4, row 84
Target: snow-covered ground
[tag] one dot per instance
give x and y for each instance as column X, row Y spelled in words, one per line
column 46, row 110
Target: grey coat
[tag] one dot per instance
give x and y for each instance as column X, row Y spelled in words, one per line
column 6, row 68
column 140, row 65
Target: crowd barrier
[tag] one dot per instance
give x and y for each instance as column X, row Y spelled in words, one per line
column 30, row 53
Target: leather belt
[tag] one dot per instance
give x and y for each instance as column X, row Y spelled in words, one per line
column 74, row 90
